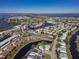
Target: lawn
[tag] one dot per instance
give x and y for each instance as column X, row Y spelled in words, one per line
column 47, row 57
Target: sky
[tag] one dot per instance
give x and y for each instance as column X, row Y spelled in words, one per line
column 39, row 6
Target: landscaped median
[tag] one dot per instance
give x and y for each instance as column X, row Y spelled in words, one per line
column 12, row 54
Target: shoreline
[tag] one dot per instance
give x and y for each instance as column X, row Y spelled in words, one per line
column 77, row 43
column 68, row 45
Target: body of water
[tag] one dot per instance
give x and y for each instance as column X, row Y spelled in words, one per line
column 7, row 15
column 4, row 24
column 73, row 46
column 25, row 49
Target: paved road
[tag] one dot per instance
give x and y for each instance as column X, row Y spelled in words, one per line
column 53, row 54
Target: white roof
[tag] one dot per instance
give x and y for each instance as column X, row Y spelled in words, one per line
column 63, row 37
column 63, row 50
column 29, row 58
column 47, row 47
column 32, row 53
column 3, row 42
column 62, row 43
column 41, row 48
column 63, row 47
column 1, row 32
column 63, row 56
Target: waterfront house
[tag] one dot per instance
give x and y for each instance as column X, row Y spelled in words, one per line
column 61, row 50
column 63, row 56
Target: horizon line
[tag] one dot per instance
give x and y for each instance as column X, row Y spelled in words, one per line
column 42, row 13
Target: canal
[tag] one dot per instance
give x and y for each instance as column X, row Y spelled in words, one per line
column 26, row 48
column 73, row 47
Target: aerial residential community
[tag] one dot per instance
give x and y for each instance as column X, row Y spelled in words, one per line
column 39, row 29
column 39, row 37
